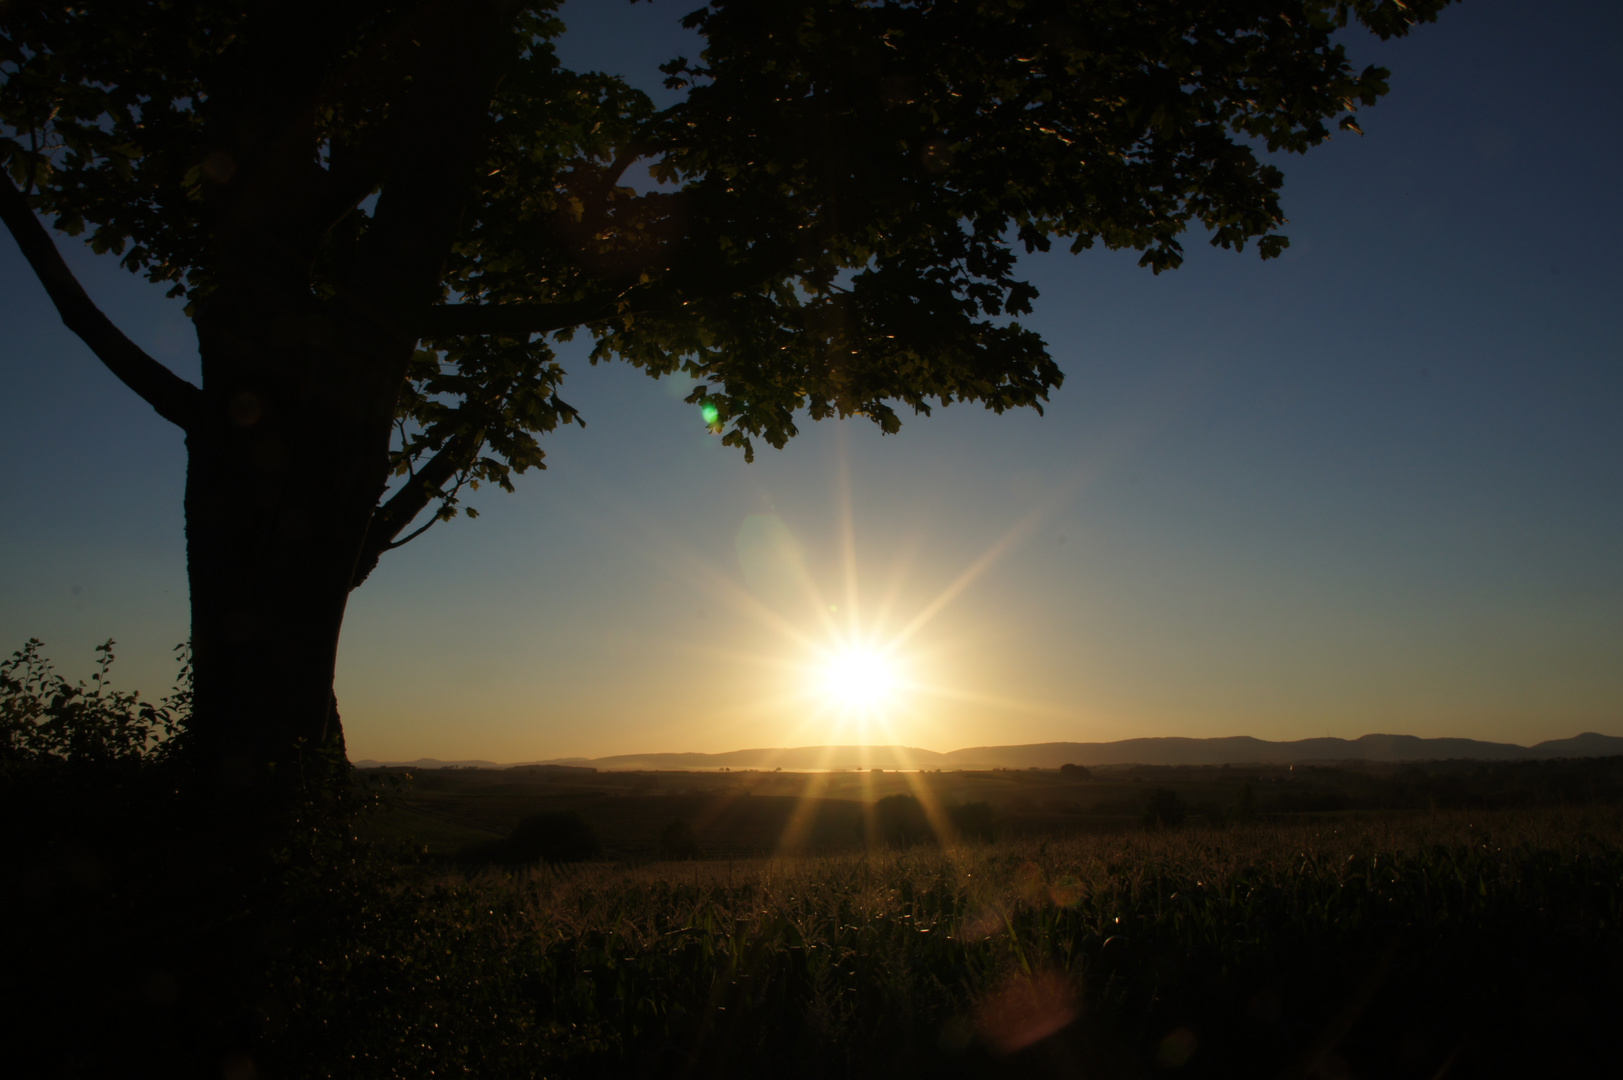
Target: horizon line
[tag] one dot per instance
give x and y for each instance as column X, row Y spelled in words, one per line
column 983, row 747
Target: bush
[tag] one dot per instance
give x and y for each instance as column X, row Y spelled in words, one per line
column 1075, row 772
column 47, row 721
column 900, row 821
column 678, row 841
column 557, row 836
column 973, row 820
column 1165, row 808
column 1244, row 810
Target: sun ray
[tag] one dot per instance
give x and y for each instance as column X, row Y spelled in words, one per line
column 996, row 701
column 842, row 673
column 858, row 615
column 936, row 814
column 848, row 534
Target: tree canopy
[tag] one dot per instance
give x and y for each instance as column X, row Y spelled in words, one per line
column 384, row 216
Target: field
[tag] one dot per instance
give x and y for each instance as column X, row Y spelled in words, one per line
column 1337, row 942
column 1360, row 938
column 747, row 814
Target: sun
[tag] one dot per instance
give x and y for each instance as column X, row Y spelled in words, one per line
column 857, row 678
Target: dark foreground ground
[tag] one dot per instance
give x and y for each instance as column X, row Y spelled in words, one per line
column 1350, row 940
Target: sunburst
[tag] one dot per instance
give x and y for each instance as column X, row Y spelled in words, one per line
column 857, row 677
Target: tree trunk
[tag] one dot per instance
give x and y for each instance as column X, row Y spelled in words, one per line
column 291, row 455
column 284, row 470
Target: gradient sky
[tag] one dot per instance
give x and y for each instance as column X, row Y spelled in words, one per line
column 1372, row 486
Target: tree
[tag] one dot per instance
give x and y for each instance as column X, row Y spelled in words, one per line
column 383, row 214
column 900, row 821
column 1165, row 808
column 1244, row 810
column 676, row 841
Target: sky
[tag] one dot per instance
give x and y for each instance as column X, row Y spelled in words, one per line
column 1375, row 485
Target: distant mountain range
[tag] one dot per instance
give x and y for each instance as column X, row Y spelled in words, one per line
column 1234, row 750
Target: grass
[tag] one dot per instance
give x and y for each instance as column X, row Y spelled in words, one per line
column 1463, row 943
column 155, row 929
column 741, row 814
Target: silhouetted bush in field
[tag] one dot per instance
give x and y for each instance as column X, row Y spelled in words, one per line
column 1165, row 809
column 1075, row 772
column 678, row 842
column 48, row 722
column 973, row 820
column 1244, row 810
column 558, row 836
column 900, row 821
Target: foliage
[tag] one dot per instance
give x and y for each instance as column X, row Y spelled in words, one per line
column 1244, row 810
column 900, row 821
column 676, row 841
column 1165, row 808
column 558, row 836
column 554, row 838
column 843, row 182
column 840, row 197
column 46, row 720
column 973, row 820
column 1075, row 772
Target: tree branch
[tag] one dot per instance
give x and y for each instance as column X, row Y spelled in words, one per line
column 353, row 176
column 175, row 399
column 399, row 262
column 390, row 519
column 448, row 320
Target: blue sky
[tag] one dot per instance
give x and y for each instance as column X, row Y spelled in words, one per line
column 1373, row 485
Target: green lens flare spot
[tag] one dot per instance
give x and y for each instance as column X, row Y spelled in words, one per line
column 711, row 415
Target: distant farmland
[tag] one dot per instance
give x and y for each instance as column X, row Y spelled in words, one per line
column 749, row 813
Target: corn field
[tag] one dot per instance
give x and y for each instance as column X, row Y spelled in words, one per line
column 1442, row 945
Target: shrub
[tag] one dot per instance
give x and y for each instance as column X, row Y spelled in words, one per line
column 1075, row 772
column 900, row 821
column 1165, row 808
column 556, row 836
column 973, row 820
column 678, row 841
column 46, row 720
column 1244, row 810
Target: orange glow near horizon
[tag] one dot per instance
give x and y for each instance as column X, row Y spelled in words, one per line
column 836, row 659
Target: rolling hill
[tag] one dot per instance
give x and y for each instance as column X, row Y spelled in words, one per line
column 1233, row 750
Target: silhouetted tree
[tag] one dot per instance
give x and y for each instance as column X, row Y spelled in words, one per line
column 973, row 820
column 384, row 214
column 1244, row 810
column 678, row 842
column 900, row 821
column 553, row 836
column 1075, row 772
column 1165, row 808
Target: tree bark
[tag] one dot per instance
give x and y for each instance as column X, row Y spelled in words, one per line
column 288, row 437
column 279, row 490
column 290, row 454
